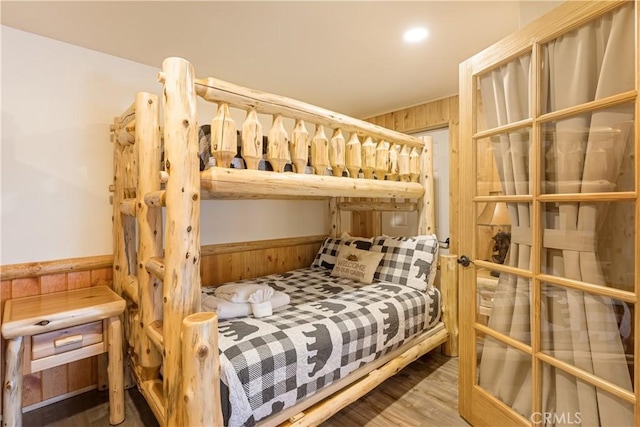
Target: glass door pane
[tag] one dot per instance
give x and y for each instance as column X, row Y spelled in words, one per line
column 602, row 256
column 498, row 104
column 592, row 333
column 591, row 62
column 562, row 404
column 505, row 373
column 591, row 152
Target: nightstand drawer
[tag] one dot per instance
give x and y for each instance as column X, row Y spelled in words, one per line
column 64, row 340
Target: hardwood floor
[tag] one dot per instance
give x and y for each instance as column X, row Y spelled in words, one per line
column 423, row 394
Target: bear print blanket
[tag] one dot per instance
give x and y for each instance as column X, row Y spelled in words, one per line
column 332, row 327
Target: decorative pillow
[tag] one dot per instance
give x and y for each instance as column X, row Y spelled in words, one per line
column 356, row 264
column 407, row 261
column 328, row 252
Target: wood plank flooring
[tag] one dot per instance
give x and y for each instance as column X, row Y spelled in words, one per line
column 423, row 394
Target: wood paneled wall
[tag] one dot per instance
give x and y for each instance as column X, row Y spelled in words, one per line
column 427, row 116
column 236, row 261
column 220, row 263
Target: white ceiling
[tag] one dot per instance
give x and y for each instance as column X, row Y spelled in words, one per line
column 344, row 56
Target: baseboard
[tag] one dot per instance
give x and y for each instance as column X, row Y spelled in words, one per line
column 58, row 398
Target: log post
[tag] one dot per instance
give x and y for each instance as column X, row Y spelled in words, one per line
column 181, row 290
column 115, row 369
column 300, row 146
column 149, row 225
column 201, row 370
column 334, row 214
column 353, row 155
column 336, row 152
column 12, row 390
column 403, row 163
column 392, row 174
column 368, row 158
column 320, row 151
column 449, row 290
column 278, row 145
column 414, row 165
column 124, row 250
column 252, row 140
column 426, row 209
column 382, row 160
column 224, row 142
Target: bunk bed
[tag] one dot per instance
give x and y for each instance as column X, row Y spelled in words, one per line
column 174, row 348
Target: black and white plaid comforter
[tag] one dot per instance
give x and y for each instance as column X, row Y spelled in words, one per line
column 332, row 327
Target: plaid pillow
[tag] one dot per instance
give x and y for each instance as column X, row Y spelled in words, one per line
column 407, row 261
column 326, row 257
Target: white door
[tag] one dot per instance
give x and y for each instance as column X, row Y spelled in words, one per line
column 406, row 223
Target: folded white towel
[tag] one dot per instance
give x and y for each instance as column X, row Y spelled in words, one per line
column 239, row 292
column 227, row 310
column 260, row 302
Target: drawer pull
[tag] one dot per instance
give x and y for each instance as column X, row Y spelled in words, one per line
column 73, row 339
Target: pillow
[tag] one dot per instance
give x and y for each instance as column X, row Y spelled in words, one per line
column 328, row 252
column 407, row 261
column 356, row 264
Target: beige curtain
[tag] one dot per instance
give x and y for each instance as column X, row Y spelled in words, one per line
column 504, row 371
column 584, row 154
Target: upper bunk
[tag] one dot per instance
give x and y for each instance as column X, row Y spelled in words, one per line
column 342, row 156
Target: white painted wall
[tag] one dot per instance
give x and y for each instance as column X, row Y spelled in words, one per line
column 406, row 223
column 57, row 103
column 532, row 10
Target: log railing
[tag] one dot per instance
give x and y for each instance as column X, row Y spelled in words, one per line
column 363, row 149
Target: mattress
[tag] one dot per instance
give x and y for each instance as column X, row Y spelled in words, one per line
column 332, row 327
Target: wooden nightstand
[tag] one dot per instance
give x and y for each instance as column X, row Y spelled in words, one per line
column 63, row 327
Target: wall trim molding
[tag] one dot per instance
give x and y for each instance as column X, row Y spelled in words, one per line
column 43, row 268
column 227, row 248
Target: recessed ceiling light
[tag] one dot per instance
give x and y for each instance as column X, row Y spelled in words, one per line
column 416, row 34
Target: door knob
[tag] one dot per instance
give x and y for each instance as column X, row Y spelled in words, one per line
column 464, row 261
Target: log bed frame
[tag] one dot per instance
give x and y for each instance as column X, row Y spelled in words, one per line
column 164, row 327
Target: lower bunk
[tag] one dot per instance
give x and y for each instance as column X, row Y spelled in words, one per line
column 326, row 342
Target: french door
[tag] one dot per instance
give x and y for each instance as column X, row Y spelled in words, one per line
column 550, row 332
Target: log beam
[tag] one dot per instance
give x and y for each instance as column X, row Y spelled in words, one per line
column 128, row 207
column 330, row 406
column 156, row 199
column 220, row 183
column 130, row 289
column 378, row 206
column 155, row 266
column 154, row 332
